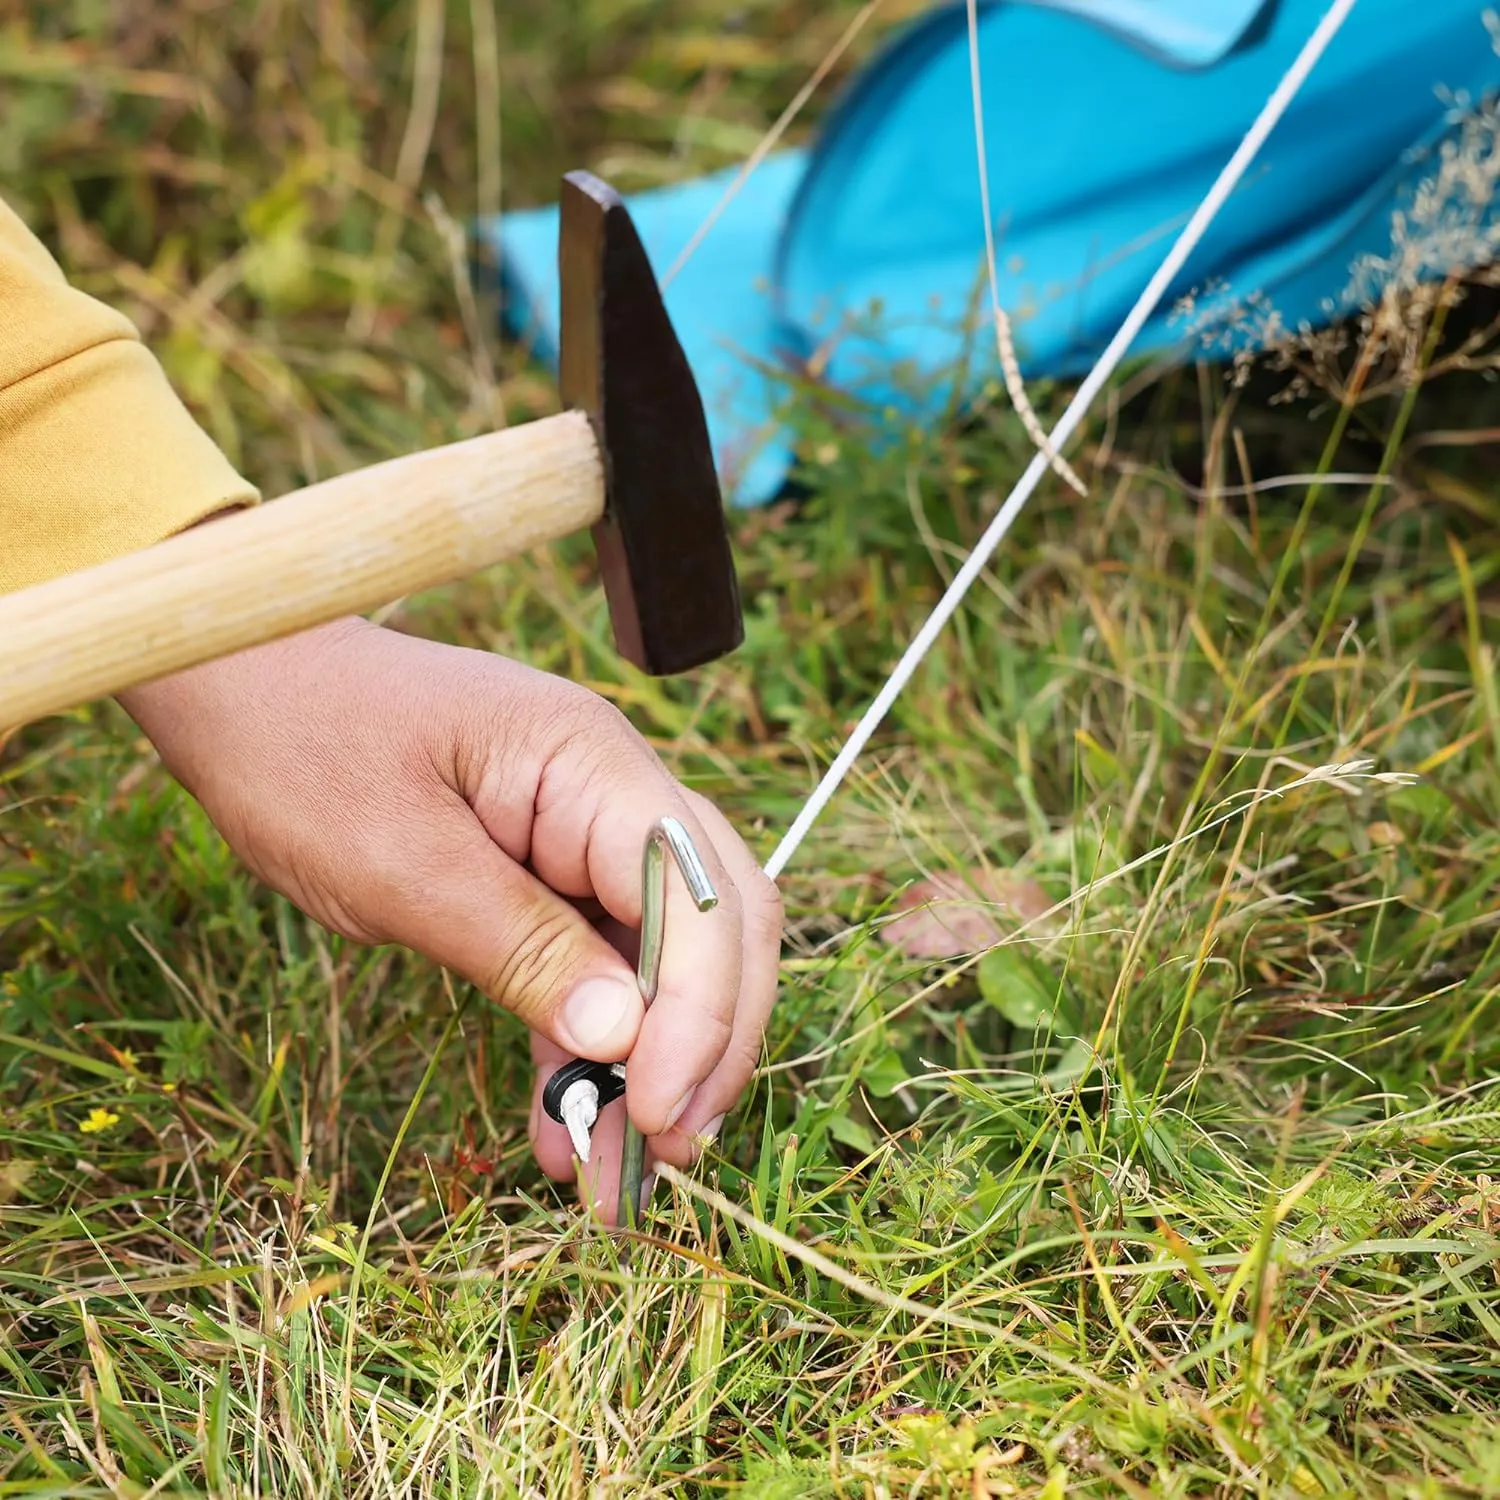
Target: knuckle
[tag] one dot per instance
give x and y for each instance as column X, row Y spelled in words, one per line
column 514, row 716
column 748, row 1050
column 762, row 911
column 584, row 718
column 531, row 977
column 716, row 1031
column 764, row 906
column 594, row 746
column 612, row 747
column 493, row 724
column 760, row 897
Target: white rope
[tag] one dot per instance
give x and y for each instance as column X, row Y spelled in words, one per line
column 1005, row 344
column 1187, row 242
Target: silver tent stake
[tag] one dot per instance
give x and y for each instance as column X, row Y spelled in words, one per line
column 667, row 834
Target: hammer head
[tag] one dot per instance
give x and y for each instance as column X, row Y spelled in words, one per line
column 663, row 543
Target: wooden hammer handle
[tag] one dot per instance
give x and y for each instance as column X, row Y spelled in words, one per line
column 338, row 548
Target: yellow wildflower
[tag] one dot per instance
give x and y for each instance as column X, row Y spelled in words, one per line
column 98, row 1119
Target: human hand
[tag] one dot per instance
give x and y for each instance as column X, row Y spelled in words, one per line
column 490, row 817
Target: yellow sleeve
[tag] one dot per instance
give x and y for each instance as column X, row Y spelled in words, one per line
column 98, row 456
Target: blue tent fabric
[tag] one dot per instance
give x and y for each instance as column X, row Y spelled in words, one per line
column 1106, row 121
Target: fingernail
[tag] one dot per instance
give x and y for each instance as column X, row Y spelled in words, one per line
column 675, row 1113
column 708, row 1132
column 594, row 1011
column 648, row 1184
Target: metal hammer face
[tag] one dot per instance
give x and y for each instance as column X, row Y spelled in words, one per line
column 663, row 543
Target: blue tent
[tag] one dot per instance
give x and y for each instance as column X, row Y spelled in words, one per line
column 1105, row 123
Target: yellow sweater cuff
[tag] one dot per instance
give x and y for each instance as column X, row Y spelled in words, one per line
column 98, row 456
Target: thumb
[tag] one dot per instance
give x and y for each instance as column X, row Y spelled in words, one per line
column 472, row 909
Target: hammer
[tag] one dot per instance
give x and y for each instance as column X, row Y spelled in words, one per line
column 630, row 457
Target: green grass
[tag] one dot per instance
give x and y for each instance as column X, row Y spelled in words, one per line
column 1192, row 1190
